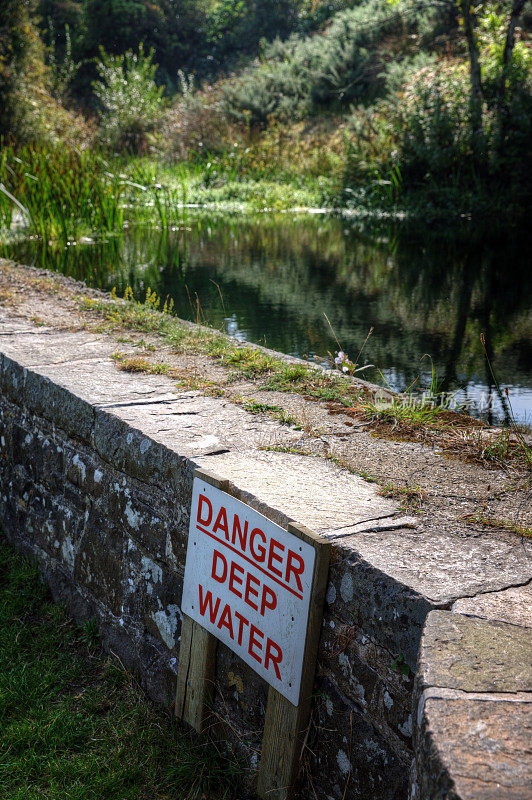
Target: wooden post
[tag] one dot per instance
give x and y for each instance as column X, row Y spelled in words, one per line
column 285, row 725
column 197, row 656
column 195, row 677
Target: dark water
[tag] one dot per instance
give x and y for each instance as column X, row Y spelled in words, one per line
column 272, row 279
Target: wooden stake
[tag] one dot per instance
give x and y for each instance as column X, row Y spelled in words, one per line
column 285, row 725
column 195, row 677
column 197, row 656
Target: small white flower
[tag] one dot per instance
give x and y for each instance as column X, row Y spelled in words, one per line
column 340, row 358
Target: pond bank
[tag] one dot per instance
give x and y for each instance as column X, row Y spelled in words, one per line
column 272, row 278
column 413, row 531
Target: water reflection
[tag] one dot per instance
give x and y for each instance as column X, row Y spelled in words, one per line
column 271, row 279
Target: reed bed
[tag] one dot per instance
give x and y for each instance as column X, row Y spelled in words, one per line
column 66, row 194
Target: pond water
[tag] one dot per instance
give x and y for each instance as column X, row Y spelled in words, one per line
column 272, row 279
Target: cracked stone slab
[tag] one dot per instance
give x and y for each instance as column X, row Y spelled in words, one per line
column 473, row 710
column 386, row 522
column 511, row 605
column 306, row 489
column 99, row 382
column 43, row 347
column 444, row 568
column 480, row 748
column 475, row 655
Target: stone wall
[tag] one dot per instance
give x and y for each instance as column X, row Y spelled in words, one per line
column 96, row 470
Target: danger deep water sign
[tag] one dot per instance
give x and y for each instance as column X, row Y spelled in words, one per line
column 248, row 582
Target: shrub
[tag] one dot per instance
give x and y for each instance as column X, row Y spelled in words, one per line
column 332, row 68
column 130, row 101
column 422, row 139
column 196, row 125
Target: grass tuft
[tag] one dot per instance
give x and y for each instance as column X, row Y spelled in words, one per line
column 74, row 724
column 488, row 521
column 410, row 497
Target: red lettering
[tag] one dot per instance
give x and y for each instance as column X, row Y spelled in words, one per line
column 234, row 578
column 217, row 557
column 242, row 535
column 221, row 523
column 268, row 595
column 274, row 557
column 201, row 502
column 242, row 621
column 292, row 569
column 259, row 554
column 275, row 659
column 203, row 603
column 253, row 641
column 226, row 621
column 251, row 590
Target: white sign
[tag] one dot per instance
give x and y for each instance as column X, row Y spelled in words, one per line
column 248, row 582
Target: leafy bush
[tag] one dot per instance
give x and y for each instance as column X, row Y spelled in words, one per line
column 131, row 103
column 333, row 68
column 235, row 28
column 434, row 126
column 423, row 139
column 196, row 124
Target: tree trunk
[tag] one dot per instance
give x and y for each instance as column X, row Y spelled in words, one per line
column 517, row 9
column 464, row 7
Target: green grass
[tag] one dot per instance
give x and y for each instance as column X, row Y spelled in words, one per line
column 488, row 521
column 410, row 497
column 73, row 724
column 247, row 362
column 63, row 194
column 276, row 412
column 412, row 413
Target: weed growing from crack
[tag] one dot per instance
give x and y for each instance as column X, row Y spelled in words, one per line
column 488, row 521
column 410, row 497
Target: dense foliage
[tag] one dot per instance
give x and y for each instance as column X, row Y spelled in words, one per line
column 129, row 99
column 336, row 67
column 403, row 103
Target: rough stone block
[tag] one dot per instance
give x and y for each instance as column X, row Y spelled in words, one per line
column 368, row 676
column 159, row 671
column 132, row 452
column 99, row 560
column 153, row 596
column 475, row 748
column 13, row 380
column 391, row 612
column 473, row 710
column 38, row 453
column 57, row 527
column 60, row 406
column 139, row 514
column 353, row 756
column 475, row 655
column 510, row 605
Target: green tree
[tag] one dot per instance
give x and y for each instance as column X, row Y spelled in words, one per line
column 173, row 28
column 22, row 70
column 129, row 99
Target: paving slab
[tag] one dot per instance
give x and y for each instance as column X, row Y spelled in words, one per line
column 482, row 747
column 475, row 655
column 511, row 605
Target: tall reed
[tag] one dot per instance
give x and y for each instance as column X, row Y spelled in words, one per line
column 63, row 194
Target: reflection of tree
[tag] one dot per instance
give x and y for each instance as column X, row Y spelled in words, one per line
column 484, row 283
